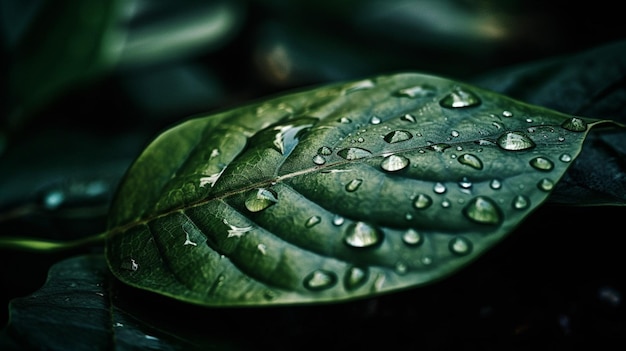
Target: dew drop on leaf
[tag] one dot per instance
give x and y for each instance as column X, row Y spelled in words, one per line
column 375, row 120
column 344, row 120
column 353, row 185
column 129, row 264
column 353, row 153
column 408, row 118
column 521, row 202
column 541, row 163
column 319, row 280
column 361, row 235
column 441, row 147
column 460, row 98
column 515, row 141
column 324, row 150
column 575, row 124
column 412, row 237
column 495, row 184
column 439, row 188
column 261, row 199
column 397, row 136
column 394, row 163
column 565, row 158
column 422, row 201
column 465, row 183
column 460, row 246
column 338, row 220
column 545, row 184
column 312, row 221
column 355, row 277
column 482, row 209
column 319, row 160
column 471, row 160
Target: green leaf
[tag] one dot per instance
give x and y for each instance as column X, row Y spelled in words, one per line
column 344, row 191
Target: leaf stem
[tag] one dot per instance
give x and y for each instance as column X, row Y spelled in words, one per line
column 48, row 246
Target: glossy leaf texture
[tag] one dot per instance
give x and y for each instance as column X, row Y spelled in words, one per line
column 339, row 192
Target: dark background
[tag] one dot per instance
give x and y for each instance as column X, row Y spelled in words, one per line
column 72, row 122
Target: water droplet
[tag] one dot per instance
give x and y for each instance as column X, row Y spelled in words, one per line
column 400, row 268
column 314, row 220
column 338, row 220
column 53, row 199
column 541, row 163
column 471, row 160
column 441, row 147
column 288, row 135
column 397, row 136
column 521, row 202
column 460, row 98
column 460, row 246
column 324, row 150
column 319, row 160
column 465, row 183
column 529, row 120
column 353, row 185
column 439, row 188
column 565, row 158
column 320, row 280
column 412, row 237
column 261, row 199
column 446, row 203
column 129, row 264
column 353, row 153
column 375, row 120
column 408, row 118
column 394, row 163
column 454, row 133
column 495, row 184
column 358, row 86
column 262, row 249
column 545, row 184
column 575, row 124
column 483, row 210
column 361, row 235
column 507, row 114
column 426, row 260
column 355, row 277
column 422, row 201
column 418, row 91
column 344, row 120
column 515, row 141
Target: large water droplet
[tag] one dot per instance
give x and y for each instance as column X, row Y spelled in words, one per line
column 515, row 141
column 397, row 136
column 353, row 185
column 312, row 221
column 460, row 246
column 460, row 98
column 471, row 160
column 320, row 280
column 542, row 163
column 545, row 184
column 418, row 91
column 361, row 235
column 422, row 201
column 261, row 199
column 412, row 237
column 520, row 202
column 394, row 163
column 483, row 210
column 355, row 277
column 575, row 124
column 353, row 153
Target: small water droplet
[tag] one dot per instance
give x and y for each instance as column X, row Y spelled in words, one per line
column 375, row 120
column 454, row 133
column 482, row 209
column 261, row 199
column 129, row 264
column 529, row 120
column 545, row 184
column 394, row 163
column 520, row 202
column 320, row 280
column 495, row 184
column 507, row 114
column 460, row 246
column 412, row 237
column 422, row 201
column 312, row 221
column 319, row 160
column 262, row 249
column 353, row 153
column 401, row 268
column 515, row 141
column 353, row 185
column 418, row 91
column 460, row 98
column 439, row 188
column 324, row 150
column 471, row 160
column 441, row 147
column 541, row 163
column 338, row 220
column 575, row 124
column 446, row 203
column 465, row 183
column 397, row 136
column 426, row 260
column 362, row 235
column 408, row 118
column 408, row 216
column 355, row 277
column 565, row 158
column 344, row 120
